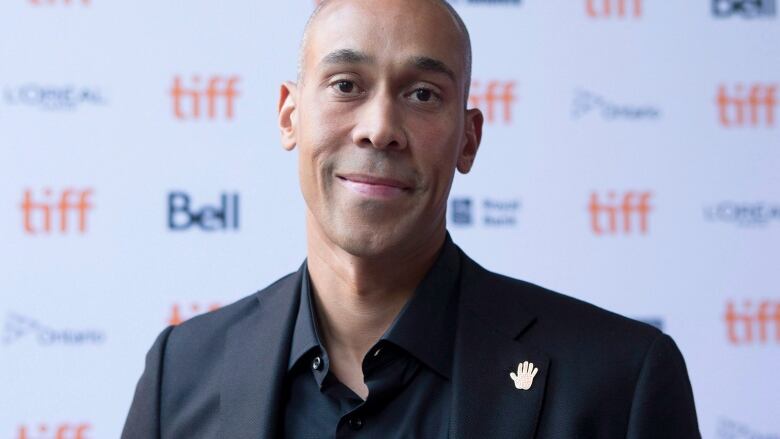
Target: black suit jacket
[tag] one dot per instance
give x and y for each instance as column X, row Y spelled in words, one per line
column 220, row 375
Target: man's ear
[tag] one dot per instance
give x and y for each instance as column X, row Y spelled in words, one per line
column 473, row 135
column 288, row 120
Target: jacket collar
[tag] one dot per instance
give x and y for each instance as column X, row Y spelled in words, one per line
column 255, row 362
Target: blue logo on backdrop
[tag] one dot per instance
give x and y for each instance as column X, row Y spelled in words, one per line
column 743, row 8
column 461, row 211
column 182, row 215
column 743, row 214
column 586, row 102
column 53, row 97
column 18, row 327
column 728, row 429
column 492, row 212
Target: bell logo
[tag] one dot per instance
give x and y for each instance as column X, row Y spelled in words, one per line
column 747, row 106
column 38, row 217
column 486, row 99
column 62, row 431
column 189, row 102
column 752, row 323
column 613, row 8
column 181, row 216
column 180, row 313
column 620, row 215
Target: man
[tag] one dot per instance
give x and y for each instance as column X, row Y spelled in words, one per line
column 388, row 329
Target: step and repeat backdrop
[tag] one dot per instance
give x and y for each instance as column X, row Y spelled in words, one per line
column 631, row 158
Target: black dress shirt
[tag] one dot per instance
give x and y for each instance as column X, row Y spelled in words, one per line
column 407, row 371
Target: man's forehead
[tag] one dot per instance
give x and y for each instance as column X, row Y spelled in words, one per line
column 416, row 32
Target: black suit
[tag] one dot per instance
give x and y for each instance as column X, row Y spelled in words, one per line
column 600, row 375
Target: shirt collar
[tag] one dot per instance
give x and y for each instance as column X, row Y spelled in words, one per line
column 424, row 328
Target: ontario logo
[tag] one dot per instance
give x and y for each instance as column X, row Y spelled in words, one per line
column 18, row 327
column 586, row 103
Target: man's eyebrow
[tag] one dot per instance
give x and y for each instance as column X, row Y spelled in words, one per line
column 429, row 64
column 346, row 56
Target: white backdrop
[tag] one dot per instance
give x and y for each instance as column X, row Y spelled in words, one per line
column 631, row 159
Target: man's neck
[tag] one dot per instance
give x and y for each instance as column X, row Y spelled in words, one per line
column 357, row 298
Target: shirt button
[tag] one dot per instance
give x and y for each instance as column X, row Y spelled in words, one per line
column 355, row 423
column 316, row 364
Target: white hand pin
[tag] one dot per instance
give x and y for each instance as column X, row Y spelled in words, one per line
column 524, row 376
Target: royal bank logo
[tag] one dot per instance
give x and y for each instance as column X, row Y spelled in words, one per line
column 486, row 212
column 17, row 328
column 588, row 104
column 744, row 8
column 744, row 214
column 53, row 97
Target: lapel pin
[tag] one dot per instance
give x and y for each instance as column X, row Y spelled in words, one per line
column 524, row 376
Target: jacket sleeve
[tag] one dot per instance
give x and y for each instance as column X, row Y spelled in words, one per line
column 663, row 405
column 143, row 420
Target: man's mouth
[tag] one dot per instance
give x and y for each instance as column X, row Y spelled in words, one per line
column 374, row 186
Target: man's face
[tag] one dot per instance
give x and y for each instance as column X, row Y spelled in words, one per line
column 380, row 121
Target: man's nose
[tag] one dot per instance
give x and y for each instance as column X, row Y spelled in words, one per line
column 379, row 124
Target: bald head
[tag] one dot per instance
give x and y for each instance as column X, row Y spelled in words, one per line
column 462, row 43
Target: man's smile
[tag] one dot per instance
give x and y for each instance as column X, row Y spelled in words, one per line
column 374, row 186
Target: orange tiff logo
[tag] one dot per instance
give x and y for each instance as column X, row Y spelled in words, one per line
column 747, row 106
column 61, row 431
column 613, row 8
column 493, row 94
column 217, row 96
column 40, row 216
column 751, row 324
column 180, row 313
column 616, row 215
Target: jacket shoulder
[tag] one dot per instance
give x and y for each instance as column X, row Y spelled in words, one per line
column 216, row 322
column 556, row 315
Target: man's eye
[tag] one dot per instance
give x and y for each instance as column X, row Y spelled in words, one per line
column 345, row 86
column 424, row 95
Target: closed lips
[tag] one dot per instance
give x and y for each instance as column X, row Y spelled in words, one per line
column 375, row 181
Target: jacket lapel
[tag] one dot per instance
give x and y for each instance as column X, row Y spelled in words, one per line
column 488, row 347
column 255, row 362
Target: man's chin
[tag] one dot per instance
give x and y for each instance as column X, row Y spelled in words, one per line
column 371, row 241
